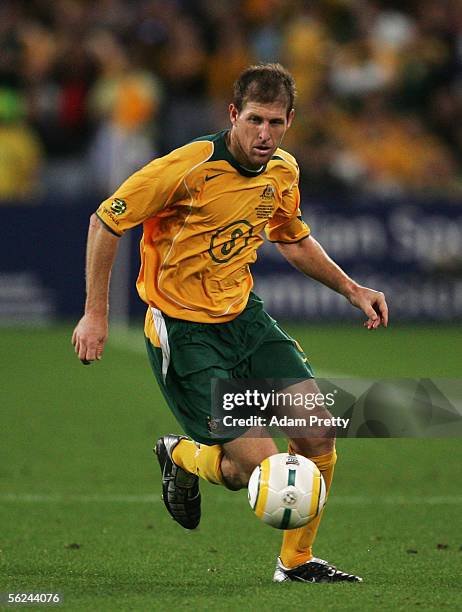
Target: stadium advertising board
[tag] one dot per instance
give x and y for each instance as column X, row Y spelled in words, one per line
column 410, row 250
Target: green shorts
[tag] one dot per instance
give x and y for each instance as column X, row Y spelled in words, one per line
column 250, row 346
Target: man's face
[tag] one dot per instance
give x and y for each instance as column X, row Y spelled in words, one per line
column 257, row 131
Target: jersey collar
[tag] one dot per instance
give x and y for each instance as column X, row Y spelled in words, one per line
column 234, row 163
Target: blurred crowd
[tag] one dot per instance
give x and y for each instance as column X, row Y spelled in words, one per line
column 90, row 90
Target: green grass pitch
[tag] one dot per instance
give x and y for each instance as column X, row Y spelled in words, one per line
column 80, row 509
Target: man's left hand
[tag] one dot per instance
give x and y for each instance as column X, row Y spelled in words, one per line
column 372, row 303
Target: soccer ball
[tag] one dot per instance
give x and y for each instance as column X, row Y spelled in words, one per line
column 286, row 491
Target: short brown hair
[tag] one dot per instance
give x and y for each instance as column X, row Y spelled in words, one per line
column 264, row 83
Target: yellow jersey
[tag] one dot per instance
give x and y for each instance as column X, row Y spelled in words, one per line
column 203, row 217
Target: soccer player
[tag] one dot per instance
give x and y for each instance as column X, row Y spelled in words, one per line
column 204, row 207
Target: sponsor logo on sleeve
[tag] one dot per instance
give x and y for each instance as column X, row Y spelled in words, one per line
column 118, row 206
column 108, row 213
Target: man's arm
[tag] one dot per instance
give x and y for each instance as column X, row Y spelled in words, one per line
column 91, row 332
column 309, row 257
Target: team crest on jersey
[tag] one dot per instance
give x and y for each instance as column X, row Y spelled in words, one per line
column 118, row 206
column 268, row 193
column 265, row 208
column 227, row 242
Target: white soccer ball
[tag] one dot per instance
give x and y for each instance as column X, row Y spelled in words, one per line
column 286, row 491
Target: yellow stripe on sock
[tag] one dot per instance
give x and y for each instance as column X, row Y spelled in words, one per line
column 314, row 506
column 263, row 488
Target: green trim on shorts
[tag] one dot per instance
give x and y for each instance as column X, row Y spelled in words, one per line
column 250, row 346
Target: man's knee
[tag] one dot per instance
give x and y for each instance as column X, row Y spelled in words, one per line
column 320, row 439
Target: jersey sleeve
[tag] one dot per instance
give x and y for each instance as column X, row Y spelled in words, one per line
column 151, row 189
column 286, row 224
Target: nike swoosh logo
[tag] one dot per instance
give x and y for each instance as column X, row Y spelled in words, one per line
column 212, row 176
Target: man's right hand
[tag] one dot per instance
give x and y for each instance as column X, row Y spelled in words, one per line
column 89, row 337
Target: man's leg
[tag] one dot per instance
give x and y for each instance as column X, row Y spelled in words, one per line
column 283, row 358
column 200, row 459
column 296, row 561
column 230, row 464
column 297, row 544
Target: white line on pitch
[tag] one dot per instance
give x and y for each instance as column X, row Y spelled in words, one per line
column 54, row 498
column 346, row 500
